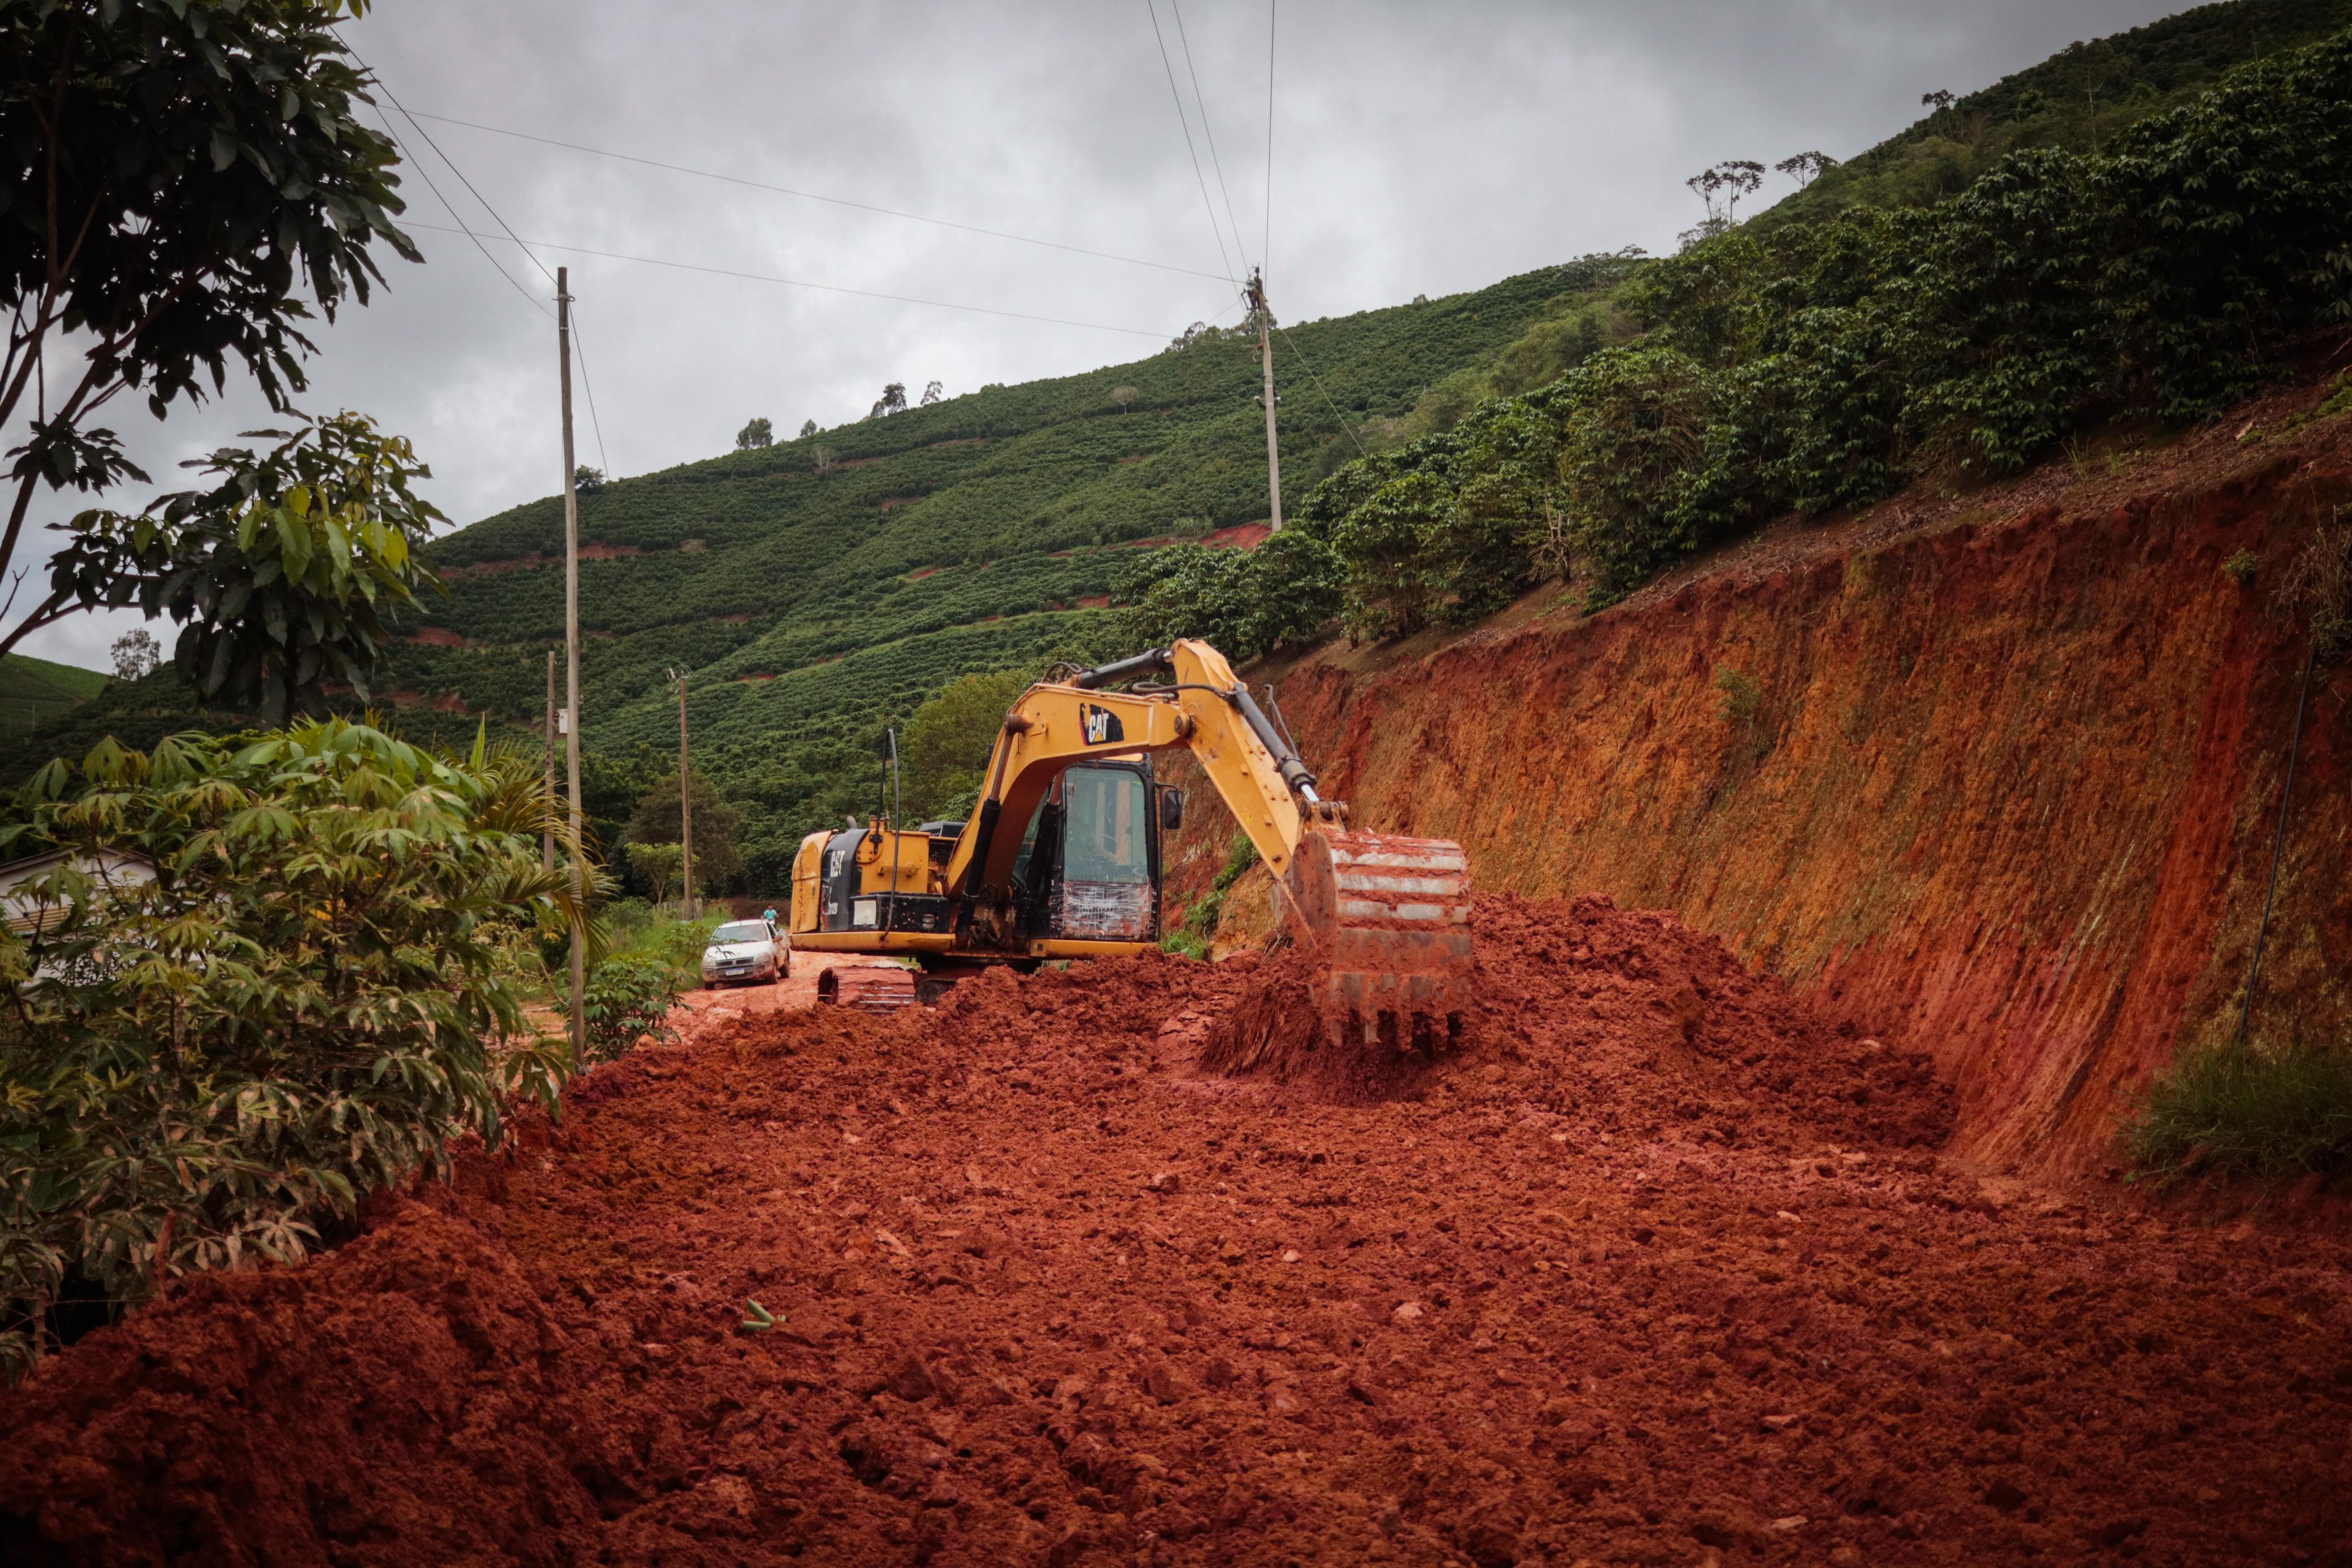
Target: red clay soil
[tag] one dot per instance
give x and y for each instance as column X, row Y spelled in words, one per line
column 1663, row 1268
column 1995, row 774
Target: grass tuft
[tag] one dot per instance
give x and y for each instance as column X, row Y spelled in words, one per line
column 2253, row 1111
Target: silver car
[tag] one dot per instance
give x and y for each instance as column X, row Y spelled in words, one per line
column 743, row 951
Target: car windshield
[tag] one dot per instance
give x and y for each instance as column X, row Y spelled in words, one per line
column 741, row 931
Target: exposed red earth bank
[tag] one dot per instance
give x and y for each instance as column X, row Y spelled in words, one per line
column 2002, row 786
column 1661, row 1268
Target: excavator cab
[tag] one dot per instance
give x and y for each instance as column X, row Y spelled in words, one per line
column 1062, row 858
column 1087, row 870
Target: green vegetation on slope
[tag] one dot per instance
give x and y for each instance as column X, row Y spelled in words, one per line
column 2075, row 101
column 34, row 691
column 1813, row 366
column 2225, row 1109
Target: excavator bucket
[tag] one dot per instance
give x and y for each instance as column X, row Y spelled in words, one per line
column 1389, row 916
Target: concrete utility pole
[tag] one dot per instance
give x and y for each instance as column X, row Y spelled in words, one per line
column 688, row 909
column 1256, row 295
column 571, row 674
column 547, row 768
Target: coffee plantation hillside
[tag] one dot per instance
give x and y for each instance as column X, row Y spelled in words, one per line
column 2075, row 101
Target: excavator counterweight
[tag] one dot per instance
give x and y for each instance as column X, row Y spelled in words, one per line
column 1062, row 858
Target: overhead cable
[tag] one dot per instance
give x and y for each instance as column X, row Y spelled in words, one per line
column 802, row 283
column 586, row 383
column 812, row 195
column 589, row 387
column 1265, row 246
column 1207, row 134
column 1300, row 356
column 410, row 160
column 1185, row 121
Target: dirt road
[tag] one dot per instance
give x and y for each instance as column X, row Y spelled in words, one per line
column 1662, row 1270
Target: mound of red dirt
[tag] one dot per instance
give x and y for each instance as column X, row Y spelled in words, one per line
column 1660, row 1269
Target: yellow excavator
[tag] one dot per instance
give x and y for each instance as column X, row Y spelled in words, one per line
column 1062, row 858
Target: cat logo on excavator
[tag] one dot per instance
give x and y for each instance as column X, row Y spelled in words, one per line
column 1062, row 858
column 1101, row 725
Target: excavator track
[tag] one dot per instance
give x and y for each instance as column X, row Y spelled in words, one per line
column 871, row 988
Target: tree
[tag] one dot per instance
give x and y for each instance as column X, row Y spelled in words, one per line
column 1806, row 167
column 587, row 480
column 1938, row 101
column 1722, row 186
column 717, row 826
column 1123, row 396
column 188, row 184
column 759, row 433
column 136, row 654
column 931, row 394
column 946, row 747
column 808, row 428
column 282, row 573
column 658, row 864
column 894, row 401
column 205, row 1065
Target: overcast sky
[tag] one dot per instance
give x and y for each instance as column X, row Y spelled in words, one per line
column 1417, row 148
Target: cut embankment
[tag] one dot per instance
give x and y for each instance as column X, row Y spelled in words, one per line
column 1995, row 778
column 1662, row 1263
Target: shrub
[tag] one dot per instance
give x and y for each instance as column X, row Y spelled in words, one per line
column 1193, row 938
column 947, row 741
column 1244, row 602
column 2244, row 1110
column 626, row 1001
column 1741, row 696
column 202, row 1069
column 1823, row 365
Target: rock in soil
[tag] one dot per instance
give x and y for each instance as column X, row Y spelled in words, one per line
column 1660, row 1269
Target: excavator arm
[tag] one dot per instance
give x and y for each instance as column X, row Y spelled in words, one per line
column 1386, row 916
column 1200, row 705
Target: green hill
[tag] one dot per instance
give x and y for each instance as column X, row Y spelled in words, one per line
column 821, row 589
column 34, row 691
column 2077, row 100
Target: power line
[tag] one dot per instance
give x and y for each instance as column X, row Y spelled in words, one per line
column 452, row 211
column 1203, row 103
column 588, row 386
column 595, row 423
column 452, row 163
column 1186, row 122
column 1265, row 247
column 802, row 283
column 1300, row 356
column 809, row 195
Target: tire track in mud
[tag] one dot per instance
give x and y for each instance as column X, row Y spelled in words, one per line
column 1662, row 1270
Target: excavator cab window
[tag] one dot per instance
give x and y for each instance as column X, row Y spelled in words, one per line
column 1103, row 826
